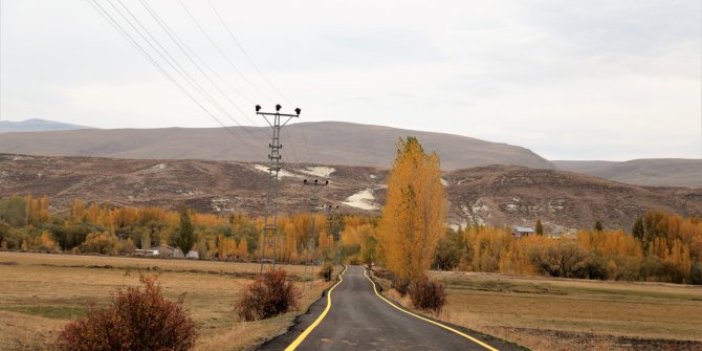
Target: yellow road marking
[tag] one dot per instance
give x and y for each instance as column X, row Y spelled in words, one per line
column 427, row 319
column 319, row 319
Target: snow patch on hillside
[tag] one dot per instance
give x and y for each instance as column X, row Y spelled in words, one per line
column 363, row 200
column 281, row 173
column 322, row 172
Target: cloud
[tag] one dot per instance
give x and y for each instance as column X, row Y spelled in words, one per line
column 584, row 80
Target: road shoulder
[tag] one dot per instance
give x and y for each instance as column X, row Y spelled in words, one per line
column 300, row 324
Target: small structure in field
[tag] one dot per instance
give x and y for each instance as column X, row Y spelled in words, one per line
column 164, row 250
column 146, row 252
column 519, row 231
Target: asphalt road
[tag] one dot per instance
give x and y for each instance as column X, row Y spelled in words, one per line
column 360, row 320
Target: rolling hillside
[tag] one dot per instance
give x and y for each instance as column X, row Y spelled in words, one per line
column 496, row 195
column 327, row 142
column 654, row 172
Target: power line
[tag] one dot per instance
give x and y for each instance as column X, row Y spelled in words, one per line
column 163, row 53
column 231, row 63
column 197, row 61
column 275, row 89
column 220, row 51
column 166, row 56
column 120, row 29
column 246, row 54
column 173, row 63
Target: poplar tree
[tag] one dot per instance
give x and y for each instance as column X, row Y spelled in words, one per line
column 413, row 219
column 185, row 238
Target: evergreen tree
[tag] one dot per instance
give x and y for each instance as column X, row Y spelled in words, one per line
column 185, row 237
column 539, row 227
column 638, row 230
column 598, row 226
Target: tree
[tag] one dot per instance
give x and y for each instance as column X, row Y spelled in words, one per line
column 413, row 219
column 185, row 237
column 448, row 251
column 13, row 210
column 598, row 226
column 638, row 229
column 539, row 227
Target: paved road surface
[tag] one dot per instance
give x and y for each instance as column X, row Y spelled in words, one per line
column 360, row 320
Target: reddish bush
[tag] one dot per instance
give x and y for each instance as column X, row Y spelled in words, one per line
column 428, row 294
column 268, row 296
column 326, row 271
column 137, row 320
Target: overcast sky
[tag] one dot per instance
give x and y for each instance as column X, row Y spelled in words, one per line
column 596, row 79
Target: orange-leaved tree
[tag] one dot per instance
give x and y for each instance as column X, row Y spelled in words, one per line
column 413, row 218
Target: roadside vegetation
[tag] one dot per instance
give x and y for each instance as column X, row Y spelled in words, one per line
column 42, row 293
column 137, row 320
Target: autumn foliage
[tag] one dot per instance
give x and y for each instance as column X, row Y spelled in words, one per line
column 138, row 320
column 414, row 215
column 662, row 247
column 268, row 296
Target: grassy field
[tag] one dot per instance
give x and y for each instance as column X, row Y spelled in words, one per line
column 40, row 293
column 560, row 314
column 563, row 314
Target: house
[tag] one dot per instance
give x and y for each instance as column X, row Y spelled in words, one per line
column 170, row 251
column 519, row 231
column 145, row 252
column 164, row 250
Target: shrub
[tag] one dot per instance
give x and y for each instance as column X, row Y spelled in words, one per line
column 563, row 259
column 326, row 271
column 137, row 320
column 401, row 285
column 268, row 296
column 428, row 294
column 100, row 243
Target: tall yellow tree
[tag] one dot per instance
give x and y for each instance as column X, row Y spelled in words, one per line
column 414, row 215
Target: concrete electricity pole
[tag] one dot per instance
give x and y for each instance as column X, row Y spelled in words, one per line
column 275, row 121
column 316, row 186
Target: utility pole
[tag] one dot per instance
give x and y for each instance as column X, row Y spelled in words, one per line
column 316, row 186
column 275, row 121
column 330, row 208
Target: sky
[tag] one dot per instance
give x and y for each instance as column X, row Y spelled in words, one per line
column 599, row 79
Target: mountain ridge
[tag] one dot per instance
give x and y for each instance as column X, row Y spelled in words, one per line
column 647, row 171
column 38, row 125
column 316, row 142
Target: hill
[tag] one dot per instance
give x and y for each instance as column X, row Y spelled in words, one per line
column 654, row 172
column 37, row 125
column 324, row 143
column 496, row 195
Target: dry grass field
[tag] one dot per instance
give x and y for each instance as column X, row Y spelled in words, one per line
column 40, row 293
column 565, row 314
column 561, row 314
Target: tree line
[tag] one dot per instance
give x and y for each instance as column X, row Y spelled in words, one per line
column 27, row 224
column 410, row 237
